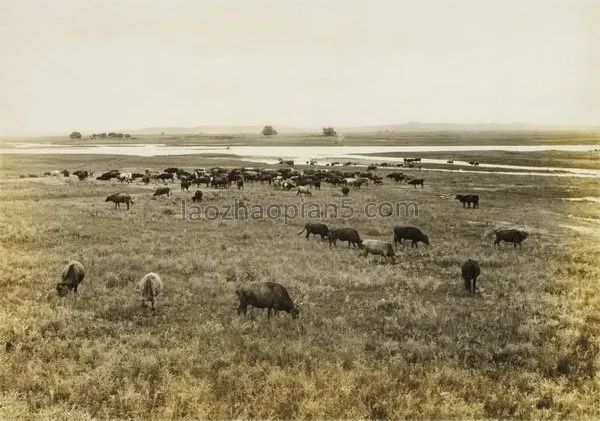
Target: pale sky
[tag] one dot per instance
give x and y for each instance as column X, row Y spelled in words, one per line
column 107, row 65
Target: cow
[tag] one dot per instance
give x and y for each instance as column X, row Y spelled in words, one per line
column 119, row 198
column 314, row 229
column 137, row 175
column 467, row 199
column 72, row 276
column 417, row 181
column 514, row 236
column 474, row 163
column 345, row 234
column 166, row 176
column 219, row 182
column 240, row 184
column 65, row 173
column 470, row 271
column 378, row 248
column 125, row 177
column 162, row 191
column 303, row 191
column 172, row 170
column 269, row 295
column 185, row 185
column 410, row 233
column 150, row 288
column 197, row 196
column 345, row 191
column 83, row 174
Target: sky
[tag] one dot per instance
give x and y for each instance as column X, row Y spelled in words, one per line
column 108, row 65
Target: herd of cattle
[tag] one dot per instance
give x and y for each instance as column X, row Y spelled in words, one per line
column 269, row 295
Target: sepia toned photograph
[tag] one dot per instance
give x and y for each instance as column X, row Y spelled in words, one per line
column 299, row 209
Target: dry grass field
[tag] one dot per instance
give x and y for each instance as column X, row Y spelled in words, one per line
column 373, row 340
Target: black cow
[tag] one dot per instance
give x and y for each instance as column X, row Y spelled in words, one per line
column 467, row 199
column 417, row 181
column 166, row 176
column 161, row 191
column 219, row 182
column 185, row 185
column 470, row 271
column 240, row 184
column 269, row 295
column 314, row 229
column 197, row 196
column 72, row 276
column 514, row 236
column 345, row 191
column 119, row 198
column 345, row 234
column 410, row 233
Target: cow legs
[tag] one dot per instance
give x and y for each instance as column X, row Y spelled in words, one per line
column 467, row 285
column 127, row 205
column 269, row 313
column 242, row 309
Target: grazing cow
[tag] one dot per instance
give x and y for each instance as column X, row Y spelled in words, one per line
column 345, row 234
column 145, row 179
column 150, row 288
column 303, row 191
column 65, row 173
column 240, row 184
column 378, row 248
column 197, row 196
column 470, row 271
column 287, row 185
column 171, row 170
column 314, row 229
column 125, row 177
column 410, row 233
column 119, row 198
column 269, row 295
column 416, row 181
column 162, row 191
column 317, row 184
column 467, row 199
column 345, row 191
column 185, row 185
column 72, row 275
column 83, row 174
column 474, row 163
column 137, row 175
column 514, row 236
column 166, row 176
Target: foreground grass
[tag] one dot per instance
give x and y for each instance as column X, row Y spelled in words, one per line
column 373, row 340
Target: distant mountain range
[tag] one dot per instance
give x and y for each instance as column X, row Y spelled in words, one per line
column 405, row 127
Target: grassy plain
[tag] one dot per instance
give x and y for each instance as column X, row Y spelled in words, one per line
column 380, row 138
column 373, row 340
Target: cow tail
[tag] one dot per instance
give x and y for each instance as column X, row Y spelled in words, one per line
column 304, row 229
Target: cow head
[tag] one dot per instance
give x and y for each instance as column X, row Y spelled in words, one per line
column 62, row 289
column 426, row 239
